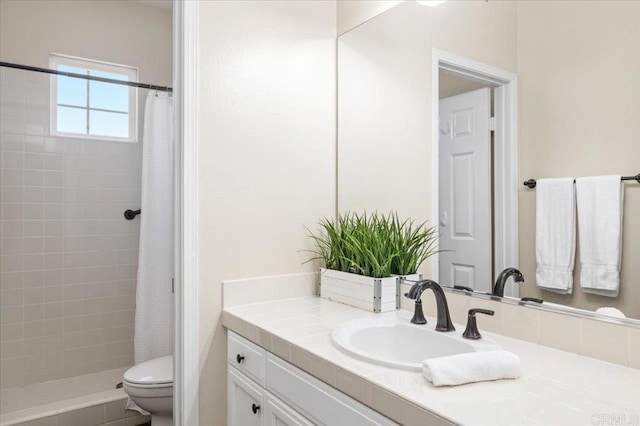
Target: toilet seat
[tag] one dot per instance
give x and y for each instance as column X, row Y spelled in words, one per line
column 163, row 391
column 153, row 374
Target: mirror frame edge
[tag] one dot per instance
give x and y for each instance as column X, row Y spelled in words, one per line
column 558, row 309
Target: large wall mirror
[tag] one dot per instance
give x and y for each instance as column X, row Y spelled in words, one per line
column 445, row 110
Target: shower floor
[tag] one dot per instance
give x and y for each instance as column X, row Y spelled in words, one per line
column 27, row 403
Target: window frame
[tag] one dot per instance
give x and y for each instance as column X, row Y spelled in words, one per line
column 56, row 59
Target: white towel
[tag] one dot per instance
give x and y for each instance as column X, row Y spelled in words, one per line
column 471, row 367
column 555, row 234
column 600, row 201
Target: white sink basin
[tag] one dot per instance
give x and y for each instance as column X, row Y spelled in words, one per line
column 395, row 342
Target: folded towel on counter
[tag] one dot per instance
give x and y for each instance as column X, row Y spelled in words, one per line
column 471, row 367
column 555, row 234
column 600, row 201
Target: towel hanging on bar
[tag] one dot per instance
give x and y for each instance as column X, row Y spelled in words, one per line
column 531, row 183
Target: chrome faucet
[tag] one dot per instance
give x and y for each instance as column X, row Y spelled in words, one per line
column 415, row 293
column 498, row 288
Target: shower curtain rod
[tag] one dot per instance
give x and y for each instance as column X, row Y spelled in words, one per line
column 87, row 77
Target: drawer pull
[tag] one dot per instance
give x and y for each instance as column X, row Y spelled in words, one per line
column 255, row 408
column 239, row 358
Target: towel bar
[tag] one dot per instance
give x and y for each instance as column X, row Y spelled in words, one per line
column 531, row 183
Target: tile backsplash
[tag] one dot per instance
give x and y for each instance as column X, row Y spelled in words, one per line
column 68, row 257
column 606, row 341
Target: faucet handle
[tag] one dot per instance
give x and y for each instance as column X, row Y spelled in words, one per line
column 471, row 332
column 418, row 314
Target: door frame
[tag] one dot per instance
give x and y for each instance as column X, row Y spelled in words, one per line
column 505, row 158
column 186, row 367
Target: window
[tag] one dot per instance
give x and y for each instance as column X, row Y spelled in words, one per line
column 93, row 109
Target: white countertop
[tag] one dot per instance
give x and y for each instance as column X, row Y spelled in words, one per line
column 556, row 388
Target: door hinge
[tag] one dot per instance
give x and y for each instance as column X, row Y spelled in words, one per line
column 492, row 124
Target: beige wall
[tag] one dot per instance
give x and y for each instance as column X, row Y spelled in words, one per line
column 384, row 106
column 267, row 153
column 579, row 92
column 351, row 13
column 118, row 31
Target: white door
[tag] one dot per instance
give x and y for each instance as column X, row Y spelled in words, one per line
column 245, row 400
column 465, row 190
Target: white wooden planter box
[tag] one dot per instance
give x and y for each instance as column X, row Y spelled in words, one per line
column 372, row 294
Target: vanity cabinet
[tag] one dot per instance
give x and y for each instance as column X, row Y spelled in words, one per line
column 265, row 390
column 251, row 405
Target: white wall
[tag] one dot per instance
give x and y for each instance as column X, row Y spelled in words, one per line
column 267, row 153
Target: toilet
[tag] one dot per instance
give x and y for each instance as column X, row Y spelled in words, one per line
column 150, row 385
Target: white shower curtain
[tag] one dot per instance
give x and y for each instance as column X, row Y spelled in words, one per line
column 154, row 296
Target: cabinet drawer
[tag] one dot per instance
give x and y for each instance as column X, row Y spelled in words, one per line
column 247, row 357
column 316, row 400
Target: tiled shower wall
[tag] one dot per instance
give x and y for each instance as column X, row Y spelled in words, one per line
column 68, row 257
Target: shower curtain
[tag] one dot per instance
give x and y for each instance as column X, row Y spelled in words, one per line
column 154, row 296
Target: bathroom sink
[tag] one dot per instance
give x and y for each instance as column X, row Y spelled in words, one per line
column 397, row 343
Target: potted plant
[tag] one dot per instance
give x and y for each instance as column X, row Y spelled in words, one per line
column 366, row 255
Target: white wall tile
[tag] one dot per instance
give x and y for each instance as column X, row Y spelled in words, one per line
column 68, row 257
column 12, row 314
column 33, row 211
column 12, row 160
column 608, row 342
column 9, row 280
column 33, row 160
column 12, row 228
column 13, row 245
column 34, row 312
column 33, row 177
column 11, row 194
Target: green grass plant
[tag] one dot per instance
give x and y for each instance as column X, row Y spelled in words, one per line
column 374, row 245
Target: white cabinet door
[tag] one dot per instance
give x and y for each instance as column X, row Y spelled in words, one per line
column 245, row 400
column 277, row 413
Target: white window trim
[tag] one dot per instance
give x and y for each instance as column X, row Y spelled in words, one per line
column 56, row 59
